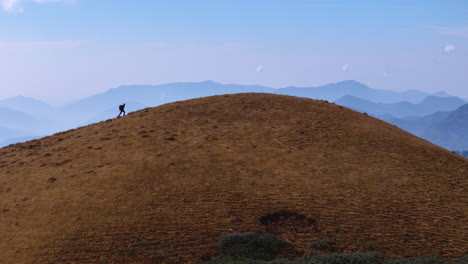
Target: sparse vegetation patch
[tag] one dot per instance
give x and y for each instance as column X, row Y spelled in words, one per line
column 255, row 248
column 249, row 245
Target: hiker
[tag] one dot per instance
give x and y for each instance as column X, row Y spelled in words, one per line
column 122, row 110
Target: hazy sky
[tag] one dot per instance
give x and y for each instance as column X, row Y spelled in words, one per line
column 60, row 50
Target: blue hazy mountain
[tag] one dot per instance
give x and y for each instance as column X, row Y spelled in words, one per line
column 29, row 106
column 31, row 116
column 441, row 94
column 451, row 132
column 427, row 106
column 17, row 120
column 446, row 103
column 7, row 133
column 334, row 91
column 417, row 125
column 446, row 129
column 22, row 117
column 14, row 124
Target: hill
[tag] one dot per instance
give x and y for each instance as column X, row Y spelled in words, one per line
column 22, row 116
column 429, row 105
column 16, row 124
column 6, row 133
column 334, row 91
column 30, row 106
column 161, row 184
column 451, row 132
column 417, row 125
column 446, row 103
column 446, row 129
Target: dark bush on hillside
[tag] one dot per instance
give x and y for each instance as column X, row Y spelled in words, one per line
column 285, row 261
column 250, row 245
column 231, row 260
column 422, row 260
column 261, row 248
column 320, row 244
column 341, row 258
column 228, row 260
column 462, row 260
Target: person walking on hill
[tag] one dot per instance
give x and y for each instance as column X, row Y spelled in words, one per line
column 122, row 110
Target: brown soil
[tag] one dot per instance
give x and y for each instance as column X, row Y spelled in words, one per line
column 161, row 184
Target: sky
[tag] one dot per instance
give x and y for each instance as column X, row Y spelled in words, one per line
column 62, row 50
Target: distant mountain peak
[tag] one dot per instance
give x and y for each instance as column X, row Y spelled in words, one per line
column 19, row 97
column 441, row 94
column 351, row 82
column 439, row 99
column 22, row 99
column 209, row 82
column 462, row 108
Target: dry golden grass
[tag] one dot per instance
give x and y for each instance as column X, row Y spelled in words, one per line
column 159, row 185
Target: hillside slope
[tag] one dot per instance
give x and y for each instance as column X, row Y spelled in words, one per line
column 160, row 184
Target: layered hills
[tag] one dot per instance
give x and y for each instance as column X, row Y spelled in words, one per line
column 446, row 129
column 429, row 105
column 161, row 184
column 451, row 132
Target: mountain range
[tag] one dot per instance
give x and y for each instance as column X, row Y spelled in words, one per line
column 23, row 118
column 446, row 129
column 427, row 106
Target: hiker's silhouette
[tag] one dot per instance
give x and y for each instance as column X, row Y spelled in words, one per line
column 122, row 110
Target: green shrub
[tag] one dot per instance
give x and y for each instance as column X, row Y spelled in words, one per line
column 422, row 260
column 462, row 260
column 341, row 258
column 261, row 248
column 231, row 260
column 320, row 244
column 250, row 245
column 226, row 260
